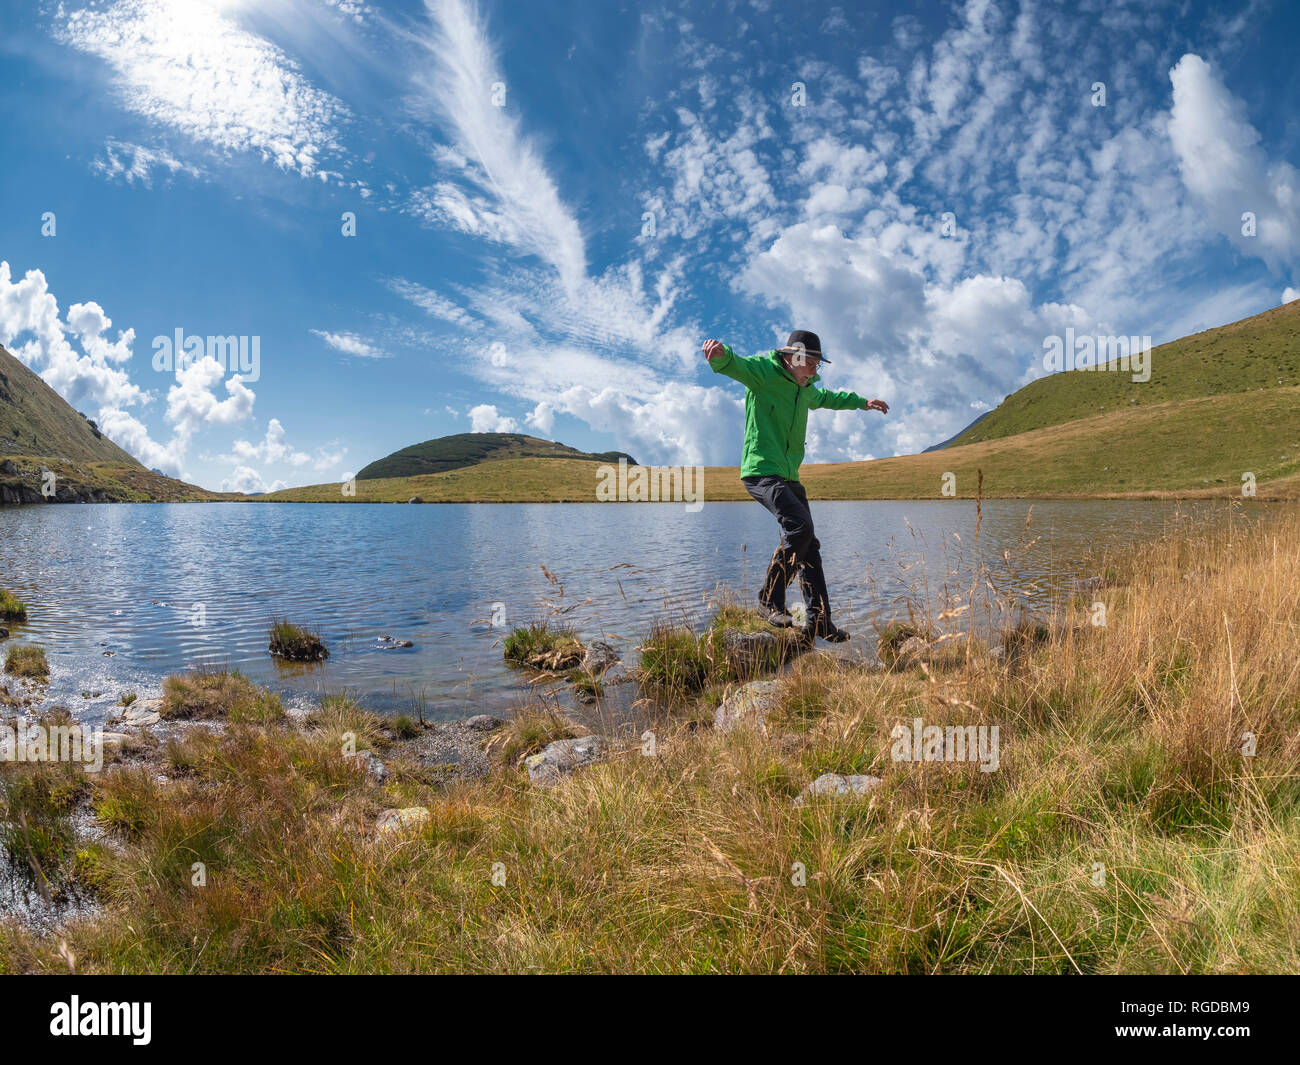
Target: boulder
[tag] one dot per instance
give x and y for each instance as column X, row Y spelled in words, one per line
column 747, row 706
column 599, row 657
column 484, row 723
column 838, row 784
column 369, row 761
column 142, row 712
column 562, row 757
column 404, row 820
column 415, row 499
column 4, row 633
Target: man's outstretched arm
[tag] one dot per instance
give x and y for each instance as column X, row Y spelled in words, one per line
column 725, row 361
column 822, row 398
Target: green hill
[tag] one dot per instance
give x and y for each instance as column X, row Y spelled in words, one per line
column 468, row 449
column 1255, row 353
column 39, row 431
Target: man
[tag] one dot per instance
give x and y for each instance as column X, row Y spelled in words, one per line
column 779, row 394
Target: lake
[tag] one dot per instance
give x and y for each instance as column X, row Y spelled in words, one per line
column 121, row 595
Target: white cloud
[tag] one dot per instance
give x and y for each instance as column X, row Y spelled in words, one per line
column 1223, row 165
column 485, row 419
column 1290, row 295
column 274, row 448
column 134, row 162
column 186, row 66
column 350, row 344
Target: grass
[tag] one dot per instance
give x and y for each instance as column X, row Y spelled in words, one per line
column 11, row 607
column 1121, row 752
column 27, row 662
column 295, row 643
column 218, row 694
column 677, row 659
column 543, row 645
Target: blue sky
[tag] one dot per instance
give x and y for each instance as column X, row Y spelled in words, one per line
column 557, row 202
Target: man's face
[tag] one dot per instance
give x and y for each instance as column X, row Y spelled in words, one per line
column 802, row 367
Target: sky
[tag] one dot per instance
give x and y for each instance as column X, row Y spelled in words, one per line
column 435, row 217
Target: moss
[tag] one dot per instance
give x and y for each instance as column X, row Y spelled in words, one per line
column 27, row 662
column 295, row 643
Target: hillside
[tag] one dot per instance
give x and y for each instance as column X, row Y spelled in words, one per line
column 1256, row 353
column 466, row 449
column 40, row 431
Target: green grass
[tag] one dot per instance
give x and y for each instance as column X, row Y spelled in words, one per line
column 1258, row 353
column 27, row 662
column 218, row 693
column 11, row 607
column 544, row 645
column 677, row 659
column 295, row 643
column 467, row 449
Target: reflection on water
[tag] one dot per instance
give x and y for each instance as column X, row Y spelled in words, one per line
column 121, row 595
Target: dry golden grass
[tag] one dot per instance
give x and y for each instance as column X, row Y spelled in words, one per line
column 1121, row 752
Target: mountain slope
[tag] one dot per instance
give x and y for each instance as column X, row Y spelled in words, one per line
column 35, row 420
column 466, row 449
column 40, row 433
column 1262, row 352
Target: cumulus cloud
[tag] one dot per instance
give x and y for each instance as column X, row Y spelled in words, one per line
column 1223, row 165
column 273, row 448
column 486, row 419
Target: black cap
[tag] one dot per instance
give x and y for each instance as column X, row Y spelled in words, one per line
column 802, row 342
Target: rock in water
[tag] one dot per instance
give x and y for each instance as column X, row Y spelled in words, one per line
column 748, row 706
column 562, row 757
column 599, row 657
column 837, row 784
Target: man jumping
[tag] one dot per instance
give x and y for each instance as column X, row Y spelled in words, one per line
column 779, row 394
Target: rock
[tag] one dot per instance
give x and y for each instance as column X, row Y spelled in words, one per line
column 415, row 499
column 111, row 742
column 747, row 706
column 998, row 654
column 376, row 769
column 403, row 820
column 8, row 468
column 4, row 633
column 484, row 723
column 598, row 657
column 747, row 651
column 1089, row 585
column 562, row 757
column 837, row 784
column 388, row 643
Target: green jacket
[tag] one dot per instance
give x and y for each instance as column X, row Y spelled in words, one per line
column 776, row 411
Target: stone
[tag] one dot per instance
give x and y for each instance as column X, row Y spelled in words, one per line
column 562, row 757
column 484, row 723
column 838, row 784
column 746, row 652
column 4, row 633
column 747, row 706
column 599, row 657
column 142, row 712
column 403, row 820
column 415, row 499
column 372, row 765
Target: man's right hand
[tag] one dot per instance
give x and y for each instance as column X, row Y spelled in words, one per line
column 713, row 348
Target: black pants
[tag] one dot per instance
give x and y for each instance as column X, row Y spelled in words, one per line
column 799, row 550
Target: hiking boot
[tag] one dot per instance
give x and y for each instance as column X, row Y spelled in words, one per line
column 824, row 628
column 777, row 618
